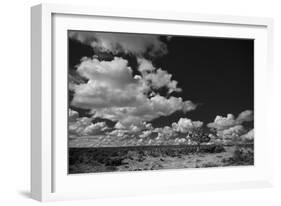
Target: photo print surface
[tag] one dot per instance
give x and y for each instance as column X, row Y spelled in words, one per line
column 148, row 102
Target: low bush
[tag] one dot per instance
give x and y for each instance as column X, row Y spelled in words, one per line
column 209, row 164
column 213, row 149
column 241, row 157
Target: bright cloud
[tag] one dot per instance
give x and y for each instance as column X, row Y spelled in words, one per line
column 164, row 132
column 119, row 125
column 145, row 134
column 222, row 123
column 157, row 78
column 232, row 132
column 73, row 115
column 126, row 43
column 248, row 136
column 110, row 84
column 95, row 128
column 184, row 125
column 245, row 116
column 112, row 92
column 116, row 73
column 84, row 126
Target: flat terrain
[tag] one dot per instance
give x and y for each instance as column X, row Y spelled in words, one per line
column 109, row 159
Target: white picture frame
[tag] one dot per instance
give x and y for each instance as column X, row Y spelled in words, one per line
column 49, row 179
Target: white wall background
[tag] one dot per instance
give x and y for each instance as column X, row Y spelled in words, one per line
column 15, row 104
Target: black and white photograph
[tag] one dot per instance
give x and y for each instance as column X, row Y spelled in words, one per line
column 141, row 102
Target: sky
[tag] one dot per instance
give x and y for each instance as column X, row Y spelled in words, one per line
column 156, row 86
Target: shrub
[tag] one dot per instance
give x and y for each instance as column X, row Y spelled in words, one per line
column 110, row 168
column 213, row 149
column 241, row 157
column 209, row 164
column 219, row 148
column 114, row 162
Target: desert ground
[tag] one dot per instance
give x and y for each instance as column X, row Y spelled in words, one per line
column 139, row 158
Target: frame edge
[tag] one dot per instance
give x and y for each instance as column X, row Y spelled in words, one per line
column 38, row 188
column 36, row 118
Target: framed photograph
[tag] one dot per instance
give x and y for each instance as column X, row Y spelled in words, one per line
column 137, row 102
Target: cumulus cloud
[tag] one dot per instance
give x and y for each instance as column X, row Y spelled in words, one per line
column 95, row 128
column 119, row 125
column 132, row 131
column 157, row 78
column 156, row 136
column 245, row 116
column 84, row 126
column 222, row 123
column 145, row 66
column 110, row 84
column 117, row 132
column 145, row 134
column 185, row 125
column 72, row 115
column 117, row 73
column 140, row 135
column 164, row 133
column 112, row 92
column 248, row 136
column 232, row 132
column 136, row 44
column 137, row 113
column 180, row 140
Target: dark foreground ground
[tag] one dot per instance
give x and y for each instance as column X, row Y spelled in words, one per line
column 109, row 159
